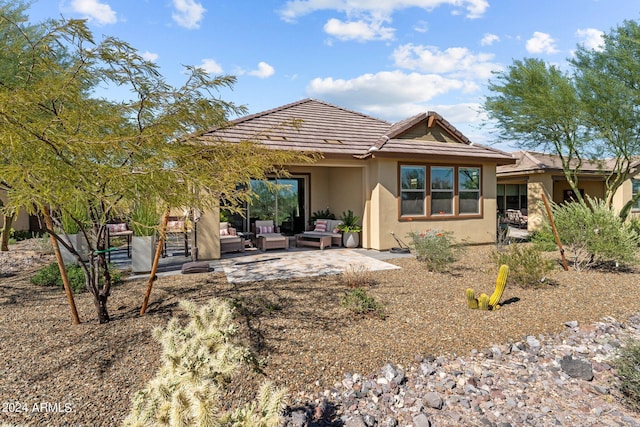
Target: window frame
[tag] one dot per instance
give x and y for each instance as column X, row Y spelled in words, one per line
column 636, row 207
column 428, row 192
column 422, row 190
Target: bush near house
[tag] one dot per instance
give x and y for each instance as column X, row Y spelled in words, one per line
column 527, row 265
column 592, row 234
column 437, row 249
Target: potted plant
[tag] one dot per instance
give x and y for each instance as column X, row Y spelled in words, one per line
column 143, row 221
column 350, row 229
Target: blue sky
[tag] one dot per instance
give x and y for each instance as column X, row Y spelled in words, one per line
column 386, row 58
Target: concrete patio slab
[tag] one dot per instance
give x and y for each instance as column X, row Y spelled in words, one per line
column 288, row 264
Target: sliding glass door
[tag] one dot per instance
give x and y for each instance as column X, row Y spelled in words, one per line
column 280, row 200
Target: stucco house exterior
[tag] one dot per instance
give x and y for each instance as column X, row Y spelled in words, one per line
column 521, row 184
column 420, row 173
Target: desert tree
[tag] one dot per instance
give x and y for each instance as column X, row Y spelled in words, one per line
column 589, row 112
column 536, row 105
column 608, row 83
column 89, row 158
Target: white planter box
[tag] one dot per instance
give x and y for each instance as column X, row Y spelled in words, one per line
column 142, row 252
column 79, row 243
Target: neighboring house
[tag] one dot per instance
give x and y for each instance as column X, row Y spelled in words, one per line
column 420, row 173
column 520, row 185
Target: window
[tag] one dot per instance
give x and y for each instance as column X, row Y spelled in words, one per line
column 469, row 190
column 635, row 185
column 440, row 191
column 412, row 190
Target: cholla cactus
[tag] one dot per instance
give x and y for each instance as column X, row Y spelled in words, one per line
column 197, row 361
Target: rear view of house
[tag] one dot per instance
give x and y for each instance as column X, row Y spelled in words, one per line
column 416, row 174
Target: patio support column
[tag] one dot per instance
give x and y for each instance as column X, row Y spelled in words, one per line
column 209, row 235
column 538, row 185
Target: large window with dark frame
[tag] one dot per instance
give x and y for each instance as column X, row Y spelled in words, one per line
column 432, row 191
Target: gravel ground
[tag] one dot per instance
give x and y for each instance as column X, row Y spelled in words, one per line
column 85, row 374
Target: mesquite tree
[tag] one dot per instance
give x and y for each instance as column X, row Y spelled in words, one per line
column 591, row 111
column 90, row 159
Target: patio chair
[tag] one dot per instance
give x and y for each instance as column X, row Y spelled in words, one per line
column 268, row 236
column 229, row 239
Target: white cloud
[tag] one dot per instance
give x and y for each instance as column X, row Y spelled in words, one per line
column 387, row 88
column 541, row 43
column 149, row 56
column 264, row 70
column 358, row 30
column 296, row 8
column 488, row 39
column 210, row 66
column 95, row 11
column 591, row 38
column 421, row 27
column 455, row 61
column 188, row 13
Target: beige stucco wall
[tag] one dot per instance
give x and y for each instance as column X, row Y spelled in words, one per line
column 382, row 211
column 209, row 235
column 20, row 221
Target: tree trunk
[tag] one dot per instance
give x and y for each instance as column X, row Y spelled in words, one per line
column 6, row 230
column 101, row 307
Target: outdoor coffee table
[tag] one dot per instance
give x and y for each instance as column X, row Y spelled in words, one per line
column 310, row 238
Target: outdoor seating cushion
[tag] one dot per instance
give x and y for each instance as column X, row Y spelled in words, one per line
column 196, row 267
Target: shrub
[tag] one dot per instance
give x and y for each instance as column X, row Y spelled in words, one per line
column 592, row 234
column 628, row 372
column 544, row 239
column 198, row 362
column 50, row 276
column 355, row 276
column 527, row 266
column 360, row 302
column 437, row 249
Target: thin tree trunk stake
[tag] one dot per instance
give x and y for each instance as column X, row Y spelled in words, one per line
column 156, row 260
column 61, row 267
column 555, row 232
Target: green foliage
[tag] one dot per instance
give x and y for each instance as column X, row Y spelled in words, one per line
column 349, row 222
column 50, row 276
column 321, row 214
column 360, row 302
column 587, row 112
column 592, row 234
column 527, row 266
column 544, row 240
column 628, row 372
column 61, row 146
column 437, row 249
column 634, row 224
column 198, row 361
column 144, row 218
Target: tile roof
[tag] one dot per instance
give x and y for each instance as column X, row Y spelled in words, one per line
column 531, row 162
column 335, row 131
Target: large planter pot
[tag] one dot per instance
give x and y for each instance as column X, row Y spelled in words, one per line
column 79, row 243
column 142, row 251
column 351, row 239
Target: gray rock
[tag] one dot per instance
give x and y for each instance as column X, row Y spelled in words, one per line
column 298, row 419
column 433, row 400
column 571, row 324
column 577, row 368
column 421, row 420
column 355, row 421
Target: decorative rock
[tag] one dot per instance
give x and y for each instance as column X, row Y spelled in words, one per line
column 421, row 421
column 433, row 400
column 571, row 324
column 356, row 421
column 577, row 368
